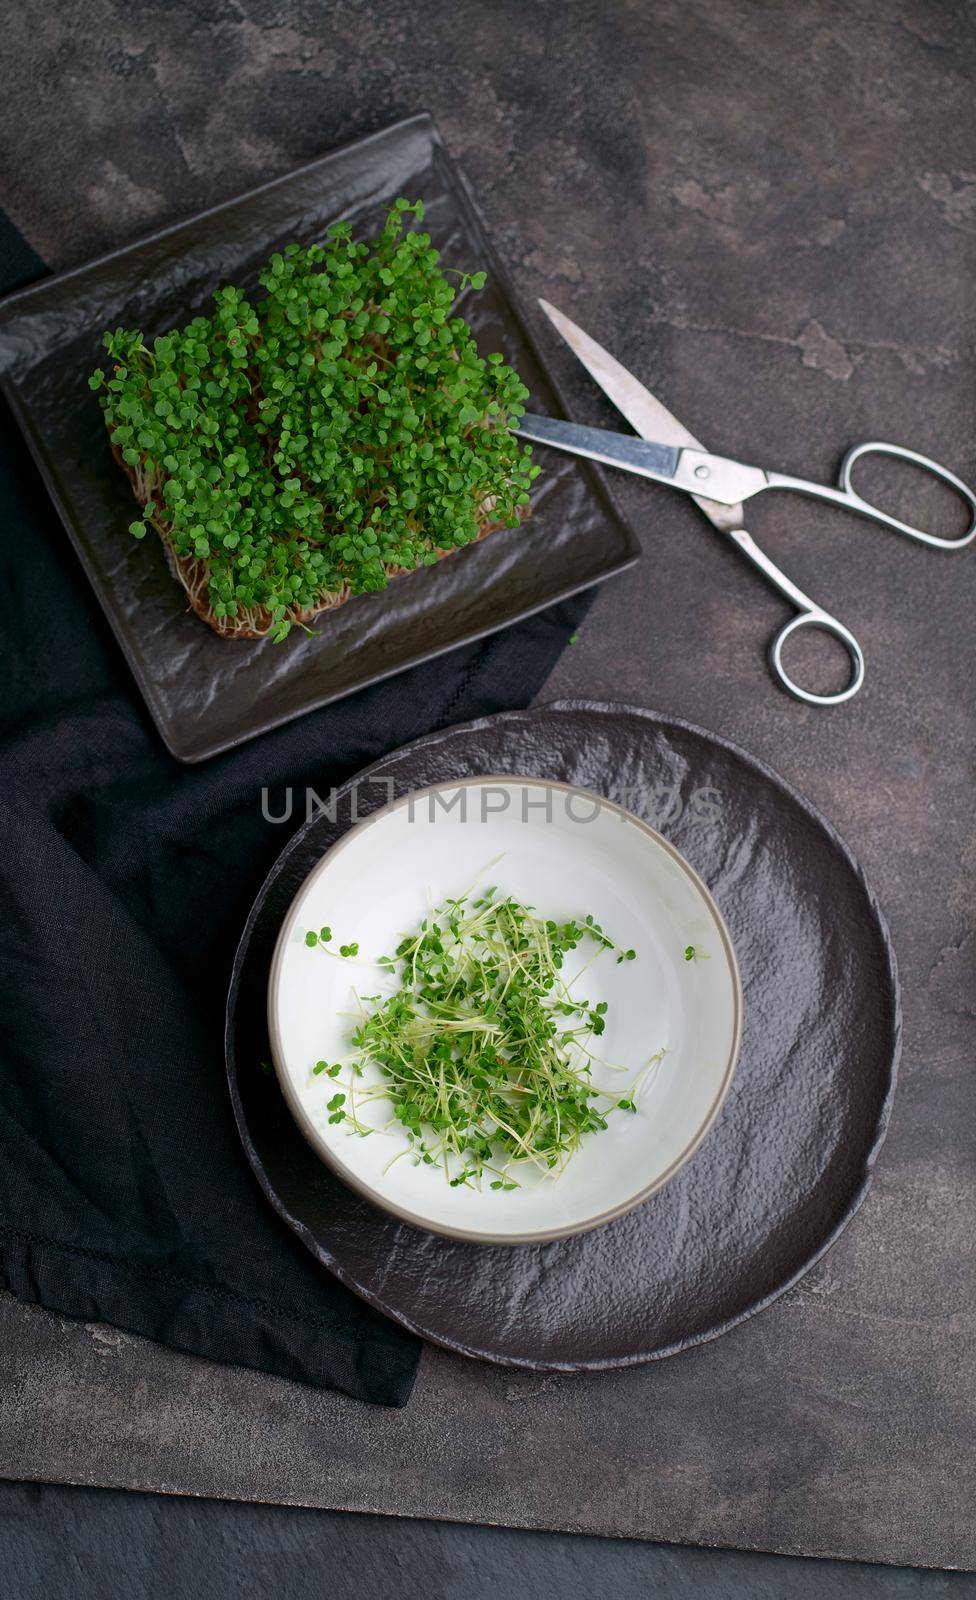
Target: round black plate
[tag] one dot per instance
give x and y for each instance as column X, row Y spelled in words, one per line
column 790, row 1157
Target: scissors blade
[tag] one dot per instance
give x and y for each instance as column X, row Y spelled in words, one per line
column 642, row 410
column 648, row 459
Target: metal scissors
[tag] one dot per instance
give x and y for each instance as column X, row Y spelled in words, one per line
column 667, row 453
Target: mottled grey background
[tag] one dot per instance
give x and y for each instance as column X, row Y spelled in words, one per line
column 99, row 1544
column 769, row 211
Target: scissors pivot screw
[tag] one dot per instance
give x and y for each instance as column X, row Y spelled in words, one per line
column 701, row 472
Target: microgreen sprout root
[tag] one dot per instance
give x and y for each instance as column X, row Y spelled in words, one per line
column 484, row 1049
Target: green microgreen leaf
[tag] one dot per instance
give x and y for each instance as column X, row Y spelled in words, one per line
column 484, row 1049
column 315, row 440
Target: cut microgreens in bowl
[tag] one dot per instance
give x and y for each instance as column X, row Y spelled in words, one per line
column 484, row 1048
column 313, row 442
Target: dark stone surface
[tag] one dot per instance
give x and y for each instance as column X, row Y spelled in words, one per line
column 769, row 212
column 76, row 1544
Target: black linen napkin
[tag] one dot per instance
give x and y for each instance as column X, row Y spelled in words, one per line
column 124, row 1194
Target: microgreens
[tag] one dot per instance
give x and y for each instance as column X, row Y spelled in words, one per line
column 692, row 953
column 484, row 1049
column 310, row 445
column 323, row 938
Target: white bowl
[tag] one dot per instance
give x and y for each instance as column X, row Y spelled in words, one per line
column 567, row 853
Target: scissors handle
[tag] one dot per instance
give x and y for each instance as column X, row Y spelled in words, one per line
column 827, row 624
column 847, row 496
column 810, row 615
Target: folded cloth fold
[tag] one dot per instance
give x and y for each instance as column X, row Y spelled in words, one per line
column 124, row 1194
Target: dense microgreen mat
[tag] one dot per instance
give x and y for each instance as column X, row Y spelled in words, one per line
column 311, row 444
column 485, row 1049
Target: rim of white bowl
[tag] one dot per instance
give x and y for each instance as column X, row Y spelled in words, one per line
column 348, row 1174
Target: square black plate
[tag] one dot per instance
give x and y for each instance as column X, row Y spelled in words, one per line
column 207, row 694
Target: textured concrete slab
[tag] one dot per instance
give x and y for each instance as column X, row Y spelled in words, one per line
column 72, row 1544
column 770, row 213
